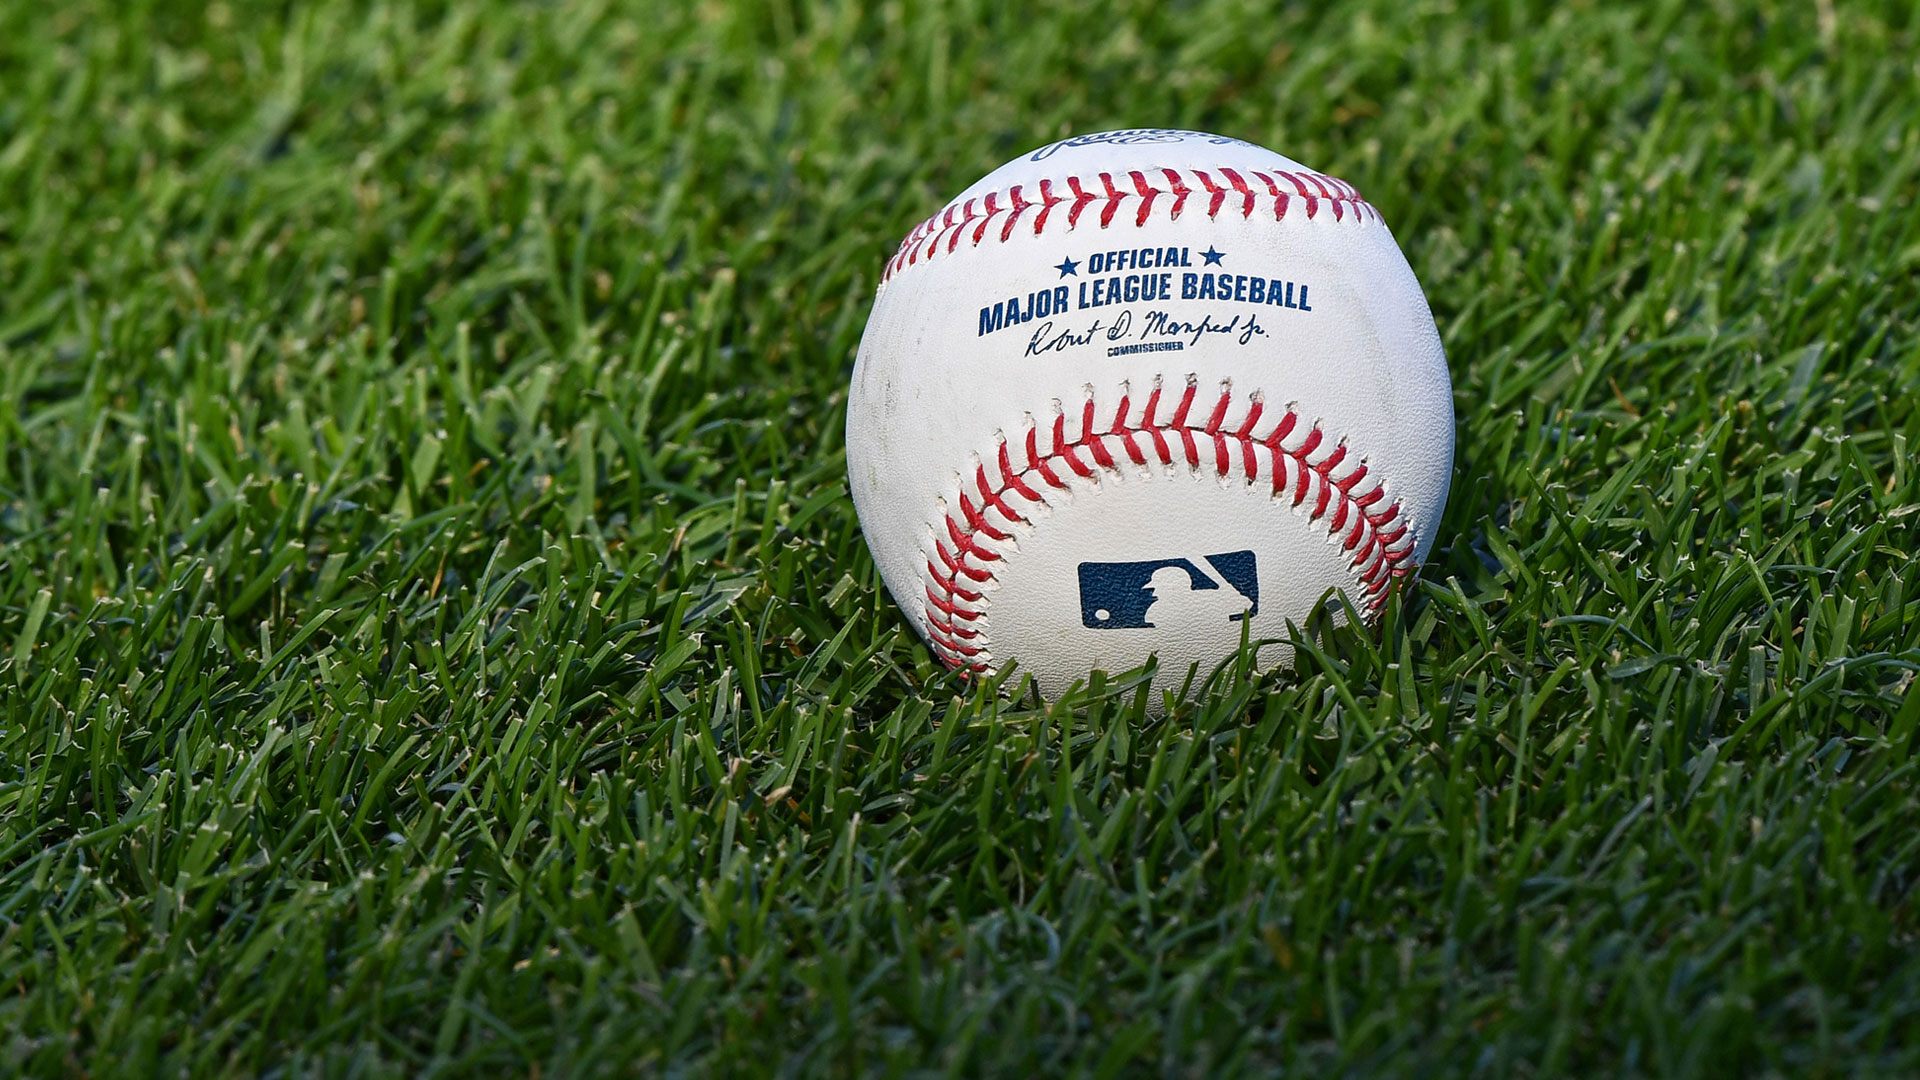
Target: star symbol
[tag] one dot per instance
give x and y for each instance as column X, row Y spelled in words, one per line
column 1068, row 266
column 1213, row 257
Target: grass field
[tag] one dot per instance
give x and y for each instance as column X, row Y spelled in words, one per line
column 435, row 638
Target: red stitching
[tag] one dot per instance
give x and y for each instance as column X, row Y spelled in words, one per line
column 1019, row 204
column 1313, row 206
column 1219, row 193
column 1240, row 185
column 1047, row 201
column 1080, row 200
column 1113, row 200
column 1180, row 191
column 1279, row 197
column 1379, row 542
column 980, row 230
column 971, row 218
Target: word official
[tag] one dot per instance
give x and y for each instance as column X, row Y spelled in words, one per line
column 1110, row 262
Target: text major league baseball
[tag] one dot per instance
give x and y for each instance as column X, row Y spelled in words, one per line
column 1143, row 275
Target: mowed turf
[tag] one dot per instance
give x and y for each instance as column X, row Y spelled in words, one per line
column 435, row 638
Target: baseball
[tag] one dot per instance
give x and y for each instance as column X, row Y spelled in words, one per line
column 1144, row 394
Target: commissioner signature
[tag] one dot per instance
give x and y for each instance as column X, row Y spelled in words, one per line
column 1157, row 329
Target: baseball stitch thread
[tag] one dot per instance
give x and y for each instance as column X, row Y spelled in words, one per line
column 976, row 219
column 1380, row 541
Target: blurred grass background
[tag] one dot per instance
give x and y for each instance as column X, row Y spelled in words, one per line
column 435, row 640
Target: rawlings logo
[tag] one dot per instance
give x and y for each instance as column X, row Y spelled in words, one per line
column 1134, row 136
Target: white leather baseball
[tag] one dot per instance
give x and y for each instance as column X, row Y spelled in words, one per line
column 1137, row 393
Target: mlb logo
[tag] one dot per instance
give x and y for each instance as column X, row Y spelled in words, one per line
column 1128, row 595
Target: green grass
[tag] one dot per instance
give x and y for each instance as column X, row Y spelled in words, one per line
column 435, row 639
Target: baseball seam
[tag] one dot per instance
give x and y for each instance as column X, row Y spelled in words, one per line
column 1293, row 456
column 974, row 219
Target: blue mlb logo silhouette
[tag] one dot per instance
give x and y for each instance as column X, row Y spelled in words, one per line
column 1116, row 595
